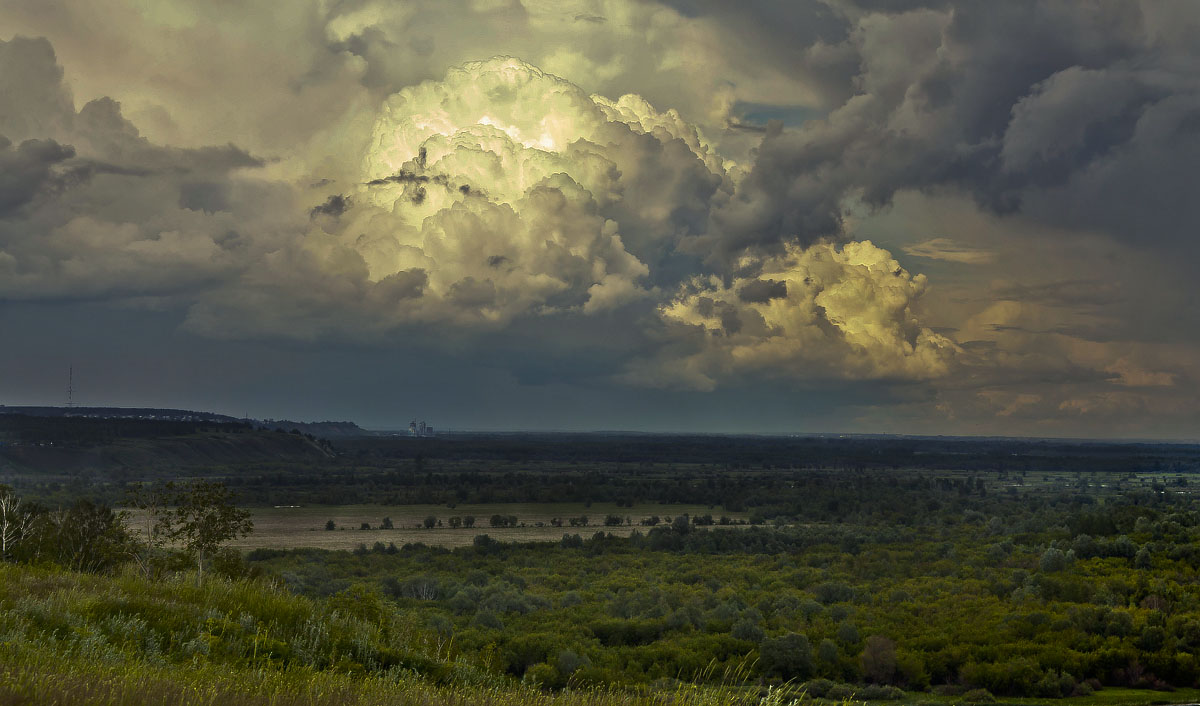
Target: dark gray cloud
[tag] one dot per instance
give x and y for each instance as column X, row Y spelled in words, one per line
column 31, row 170
column 38, row 171
column 36, row 102
column 91, row 209
column 334, row 206
column 1084, row 292
column 1080, row 115
column 761, row 291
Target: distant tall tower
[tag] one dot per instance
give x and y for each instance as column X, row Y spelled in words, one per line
column 71, row 386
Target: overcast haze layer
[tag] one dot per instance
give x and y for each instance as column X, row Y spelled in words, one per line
column 767, row 216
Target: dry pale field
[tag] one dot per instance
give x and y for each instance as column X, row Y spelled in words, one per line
column 292, row 527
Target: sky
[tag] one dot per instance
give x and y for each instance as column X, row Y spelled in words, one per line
column 775, row 216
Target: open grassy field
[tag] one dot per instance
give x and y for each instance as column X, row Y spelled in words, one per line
column 288, row 527
column 297, row 527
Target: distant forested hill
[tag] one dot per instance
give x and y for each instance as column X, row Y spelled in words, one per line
column 60, row 445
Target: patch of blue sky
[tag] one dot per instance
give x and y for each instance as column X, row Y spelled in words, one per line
column 789, row 115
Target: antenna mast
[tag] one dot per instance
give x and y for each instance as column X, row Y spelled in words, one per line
column 71, row 386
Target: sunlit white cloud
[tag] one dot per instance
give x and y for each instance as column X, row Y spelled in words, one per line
column 808, row 313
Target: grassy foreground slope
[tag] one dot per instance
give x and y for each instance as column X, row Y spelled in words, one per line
column 68, row 638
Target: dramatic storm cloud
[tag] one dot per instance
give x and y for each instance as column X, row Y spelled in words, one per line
column 917, row 216
column 822, row 311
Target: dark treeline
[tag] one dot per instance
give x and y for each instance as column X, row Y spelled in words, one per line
column 853, row 452
column 897, row 496
column 814, row 477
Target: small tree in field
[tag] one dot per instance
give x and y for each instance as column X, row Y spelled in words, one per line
column 158, row 520
column 206, row 518
column 89, row 537
column 15, row 522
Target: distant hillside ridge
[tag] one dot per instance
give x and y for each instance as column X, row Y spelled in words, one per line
column 134, row 448
column 323, row 430
column 122, row 443
column 150, row 413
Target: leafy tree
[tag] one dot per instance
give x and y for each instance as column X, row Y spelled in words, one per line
column 1142, row 560
column 206, row 518
column 455, row 522
column 833, row 592
column 879, row 659
column 430, row 521
column 386, row 524
column 330, row 526
column 788, row 657
column 1053, row 560
column 469, row 521
column 827, row 652
column 746, row 629
column 89, row 537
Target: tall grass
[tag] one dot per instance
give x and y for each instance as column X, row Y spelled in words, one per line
column 69, row 638
column 38, row 676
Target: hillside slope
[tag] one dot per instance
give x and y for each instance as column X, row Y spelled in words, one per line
column 131, row 455
column 70, row 638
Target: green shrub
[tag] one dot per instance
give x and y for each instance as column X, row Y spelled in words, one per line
column 840, row 692
column 877, row 692
column 817, row 687
column 542, row 676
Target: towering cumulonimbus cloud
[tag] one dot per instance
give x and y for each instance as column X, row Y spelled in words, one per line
column 513, row 192
column 504, row 191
